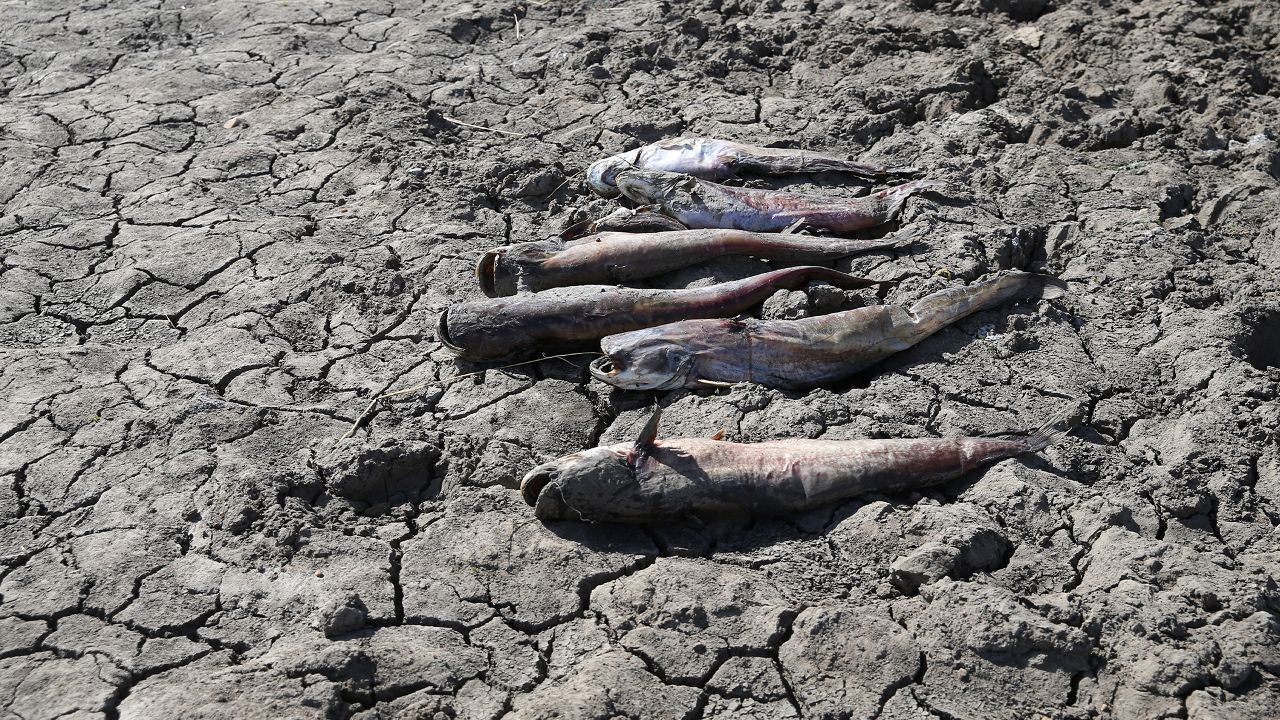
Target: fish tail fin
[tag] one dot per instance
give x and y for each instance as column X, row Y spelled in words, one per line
column 1057, row 428
column 937, row 310
column 896, row 196
column 1051, row 288
column 1062, row 424
column 871, row 172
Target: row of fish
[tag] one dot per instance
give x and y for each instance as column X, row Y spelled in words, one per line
column 562, row 294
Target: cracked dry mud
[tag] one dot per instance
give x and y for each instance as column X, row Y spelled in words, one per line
column 226, row 226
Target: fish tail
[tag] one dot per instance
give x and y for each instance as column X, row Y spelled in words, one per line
column 794, row 278
column 935, row 311
column 1062, row 424
column 896, row 196
column 1055, row 429
column 853, row 167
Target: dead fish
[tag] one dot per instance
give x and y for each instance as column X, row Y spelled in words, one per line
column 502, row 328
column 618, row 257
column 797, row 353
column 639, row 220
column 701, row 204
column 712, row 159
column 651, row 480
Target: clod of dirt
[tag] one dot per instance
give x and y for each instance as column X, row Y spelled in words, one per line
column 341, row 615
column 785, row 305
column 957, row 554
column 392, row 472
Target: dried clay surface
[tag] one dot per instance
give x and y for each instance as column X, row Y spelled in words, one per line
column 226, row 226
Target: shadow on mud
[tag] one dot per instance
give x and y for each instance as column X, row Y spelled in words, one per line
column 1260, row 342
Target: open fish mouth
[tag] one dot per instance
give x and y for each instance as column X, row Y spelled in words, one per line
column 442, row 333
column 533, row 483
column 636, row 188
column 601, row 176
column 487, row 273
column 604, row 368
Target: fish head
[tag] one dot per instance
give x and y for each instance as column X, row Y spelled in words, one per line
column 652, row 187
column 658, row 358
column 602, row 174
column 588, row 485
column 501, row 270
column 443, row 334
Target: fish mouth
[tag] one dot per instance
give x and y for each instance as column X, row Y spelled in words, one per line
column 635, row 188
column 607, row 369
column 487, row 273
column 442, row 333
column 533, row 483
column 601, row 179
column 541, row 491
column 604, row 369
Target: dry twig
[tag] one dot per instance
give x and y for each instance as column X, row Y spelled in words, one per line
column 456, row 121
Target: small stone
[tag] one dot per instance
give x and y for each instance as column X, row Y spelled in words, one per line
column 236, row 122
column 1094, row 92
column 1029, row 36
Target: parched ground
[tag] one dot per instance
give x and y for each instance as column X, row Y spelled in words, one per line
column 226, row 226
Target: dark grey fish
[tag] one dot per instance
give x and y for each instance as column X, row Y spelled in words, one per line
column 797, row 353
column 713, row 159
column 701, row 204
column 620, row 257
column 651, row 480
column 518, row 326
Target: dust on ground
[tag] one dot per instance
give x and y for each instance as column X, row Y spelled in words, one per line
column 228, row 225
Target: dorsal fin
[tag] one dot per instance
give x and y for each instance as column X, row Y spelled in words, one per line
column 645, row 442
